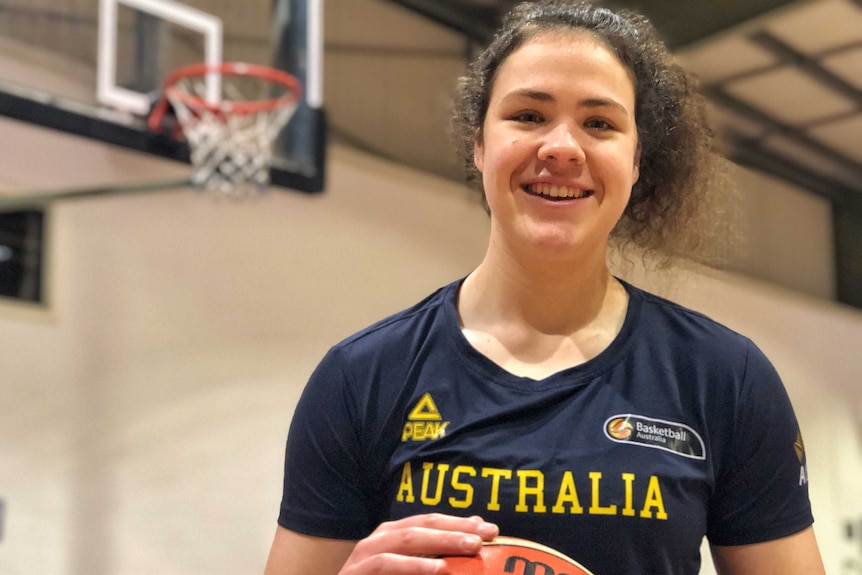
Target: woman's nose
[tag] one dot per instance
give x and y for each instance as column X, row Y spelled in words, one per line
column 561, row 145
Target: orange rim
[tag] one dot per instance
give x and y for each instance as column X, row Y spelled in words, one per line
column 240, row 107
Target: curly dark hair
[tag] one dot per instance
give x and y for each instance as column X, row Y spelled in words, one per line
column 675, row 196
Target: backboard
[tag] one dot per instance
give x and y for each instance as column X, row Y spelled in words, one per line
column 95, row 68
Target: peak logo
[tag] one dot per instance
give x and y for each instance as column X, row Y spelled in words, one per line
column 656, row 433
column 424, row 421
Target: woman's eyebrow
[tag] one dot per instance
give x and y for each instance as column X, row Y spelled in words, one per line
column 546, row 97
column 603, row 103
column 530, row 94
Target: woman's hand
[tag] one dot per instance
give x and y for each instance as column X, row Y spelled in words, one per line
column 412, row 546
column 409, row 546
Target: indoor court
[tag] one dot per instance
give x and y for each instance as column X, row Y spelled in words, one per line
column 156, row 335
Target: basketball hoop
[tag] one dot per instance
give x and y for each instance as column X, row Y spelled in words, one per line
column 230, row 115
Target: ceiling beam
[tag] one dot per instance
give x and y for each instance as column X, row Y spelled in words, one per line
column 810, row 66
column 477, row 22
column 723, row 99
column 749, row 153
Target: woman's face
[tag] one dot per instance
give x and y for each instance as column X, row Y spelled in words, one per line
column 558, row 151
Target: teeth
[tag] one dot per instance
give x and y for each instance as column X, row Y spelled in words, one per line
column 556, row 191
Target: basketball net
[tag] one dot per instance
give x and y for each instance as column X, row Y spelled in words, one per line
column 230, row 115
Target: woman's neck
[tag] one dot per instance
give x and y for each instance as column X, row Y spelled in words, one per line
column 537, row 320
column 554, row 297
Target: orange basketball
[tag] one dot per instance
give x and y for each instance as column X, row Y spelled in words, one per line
column 513, row 556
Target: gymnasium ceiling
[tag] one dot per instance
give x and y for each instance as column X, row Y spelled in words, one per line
column 680, row 21
column 784, row 78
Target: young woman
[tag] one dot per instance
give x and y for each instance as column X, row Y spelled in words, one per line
column 541, row 393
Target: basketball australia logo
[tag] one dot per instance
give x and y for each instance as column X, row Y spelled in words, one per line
column 656, row 433
column 424, row 422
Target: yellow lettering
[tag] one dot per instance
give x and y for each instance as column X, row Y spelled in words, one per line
column 537, row 490
column 568, row 494
column 405, row 490
column 628, row 510
column 595, row 508
column 442, row 468
column 465, row 487
column 461, row 489
column 420, row 431
column 431, row 430
column 654, row 500
column 495, row 474
column 407, row 432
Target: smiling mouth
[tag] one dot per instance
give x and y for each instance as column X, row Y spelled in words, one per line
column 553, row 192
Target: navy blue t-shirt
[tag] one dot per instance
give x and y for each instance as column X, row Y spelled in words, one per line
column 680, row 429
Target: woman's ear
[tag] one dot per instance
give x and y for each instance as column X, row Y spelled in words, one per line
column 478, row 152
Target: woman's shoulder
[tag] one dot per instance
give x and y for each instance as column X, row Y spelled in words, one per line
column 411, row 325
column 713, row 360
column 669, row 321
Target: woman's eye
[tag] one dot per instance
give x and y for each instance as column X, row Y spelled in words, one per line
column 528, row 117
column 599, row 124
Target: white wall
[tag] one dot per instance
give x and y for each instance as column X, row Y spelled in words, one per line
column 785, row 235
column 389, row 81
column 146, row 410
column 144, row 413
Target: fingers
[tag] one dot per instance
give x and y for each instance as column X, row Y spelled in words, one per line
column 438, row 521
column 392, row 564
column 431, row 535
column 411, row 545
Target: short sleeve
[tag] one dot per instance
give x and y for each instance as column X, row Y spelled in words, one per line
column 761, row 492
column 324, row 494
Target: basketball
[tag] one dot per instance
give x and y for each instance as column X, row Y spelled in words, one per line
column 510, row 555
